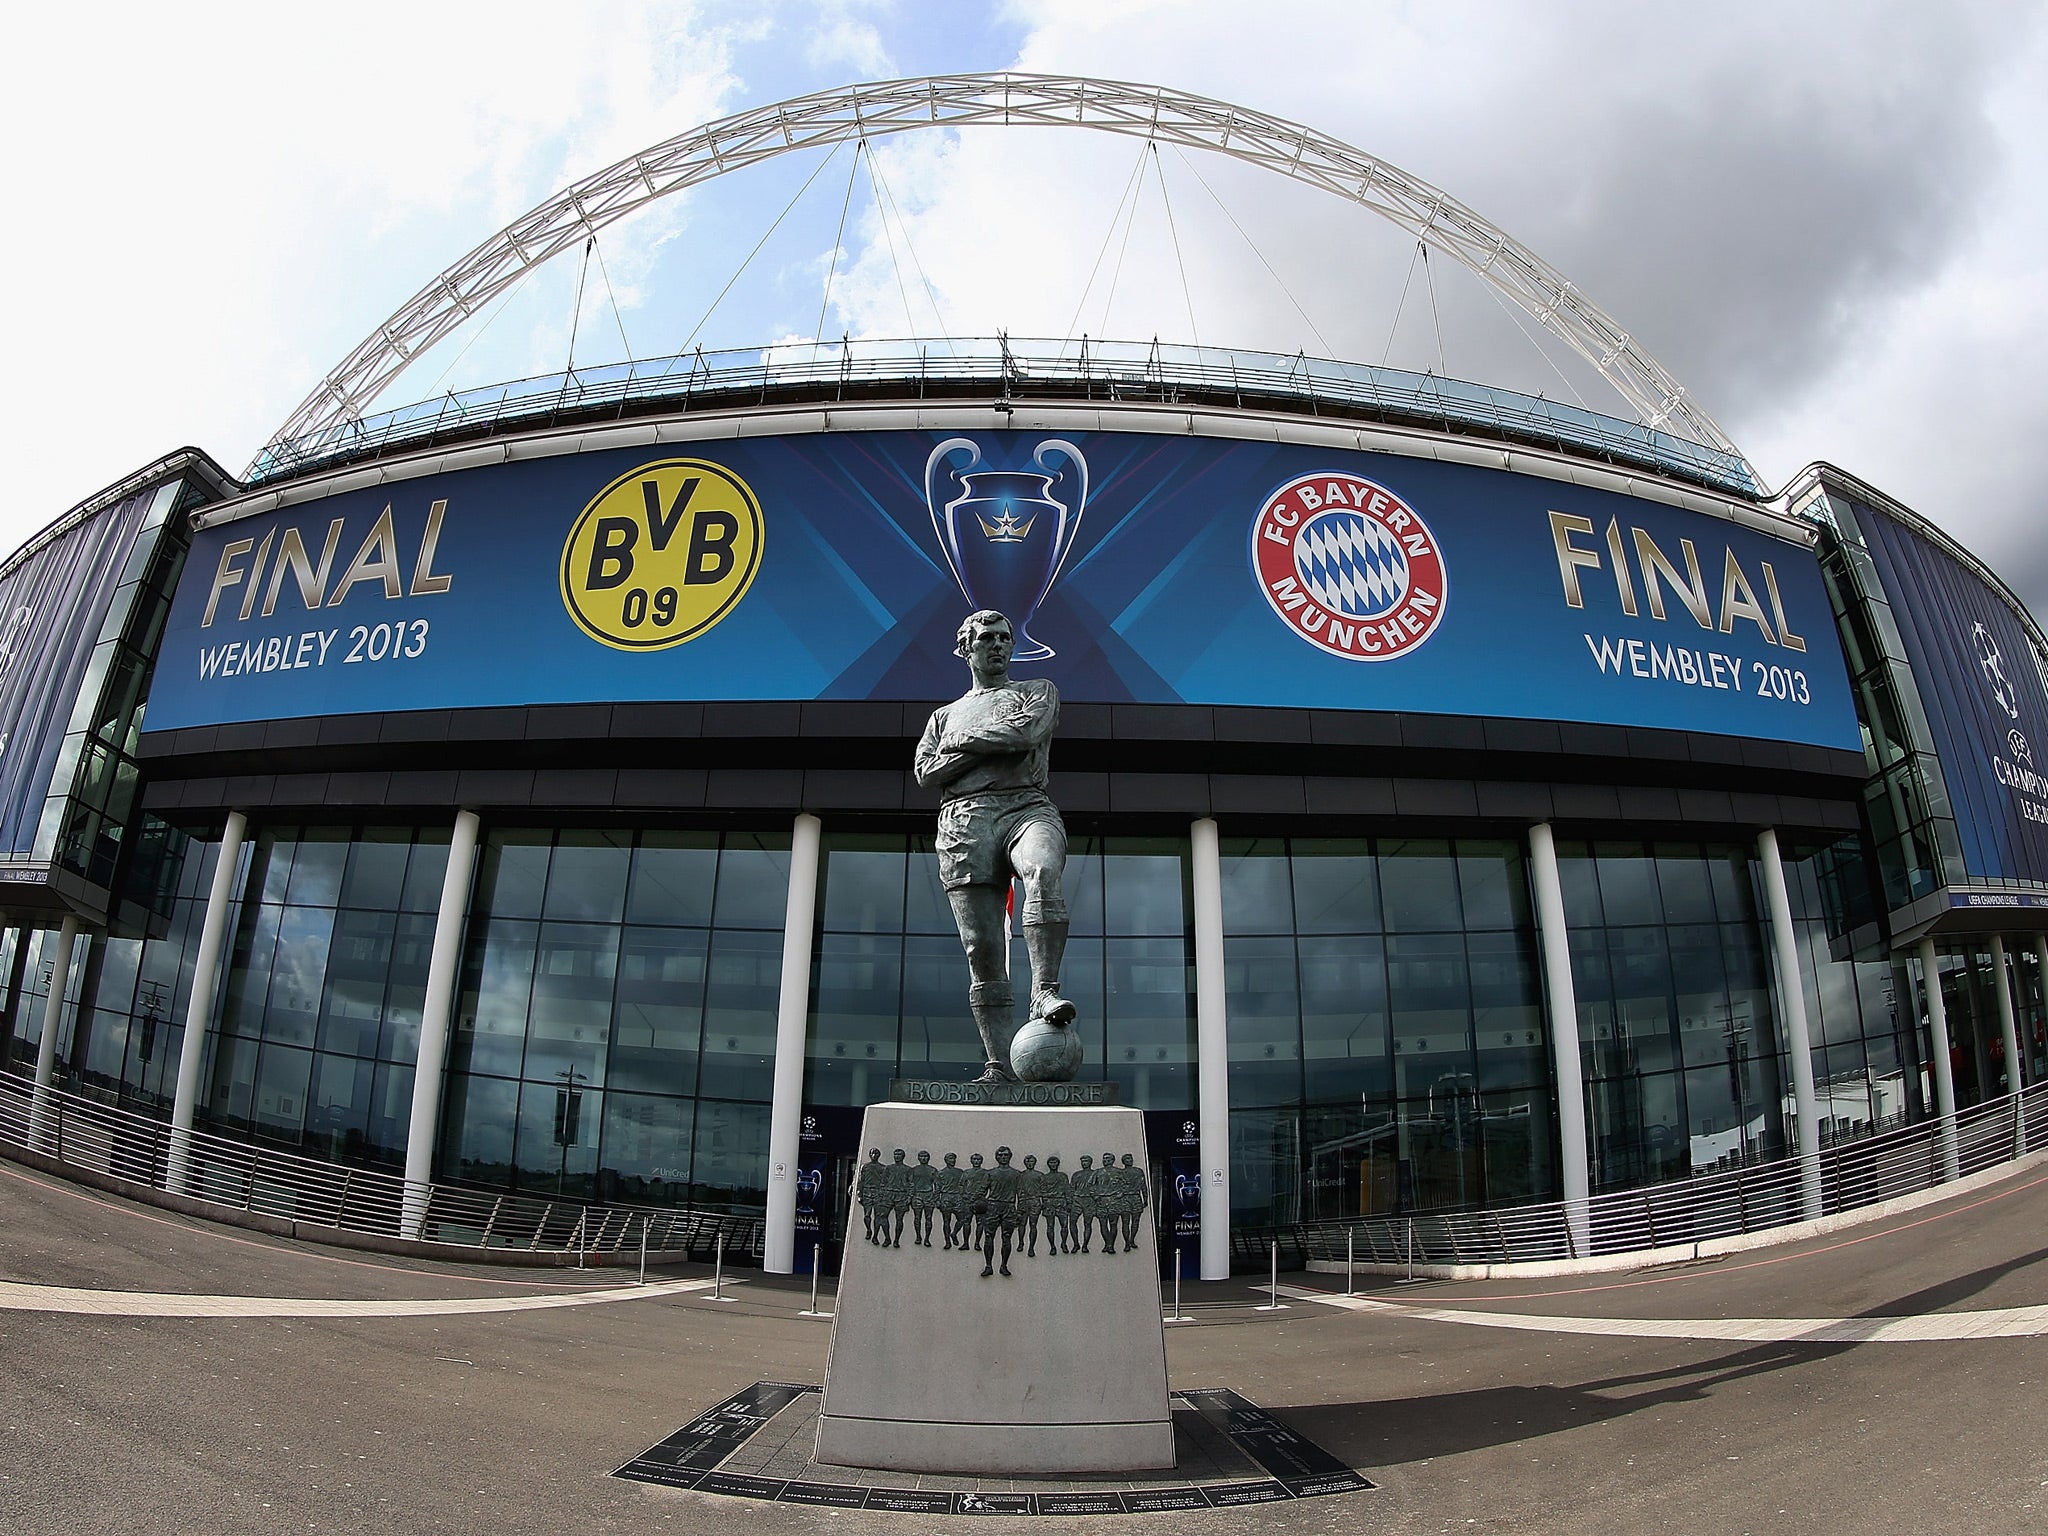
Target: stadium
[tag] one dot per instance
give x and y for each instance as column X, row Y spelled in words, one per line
column 491, row 820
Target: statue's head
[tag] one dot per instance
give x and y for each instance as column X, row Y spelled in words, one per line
column 1003, row 1156
column 952, row 1159
column 925, row 1158
column 899, row 1154
column 1087, row 1162
column 1053, row 1163
column 1030, row 1161
column 1128, row 1161
column 974, row 1158
column 874, row 1154
column 971, row 626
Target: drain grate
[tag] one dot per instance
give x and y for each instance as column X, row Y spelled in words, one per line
column 756, row 1445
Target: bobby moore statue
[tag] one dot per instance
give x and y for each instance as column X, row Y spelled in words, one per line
column 986, row 753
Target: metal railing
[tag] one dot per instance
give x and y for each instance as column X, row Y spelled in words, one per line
column 234, row 1175
column 1716, row 1204
column 1009, row 368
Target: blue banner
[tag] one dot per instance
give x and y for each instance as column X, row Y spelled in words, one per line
column 1137, row 568
column 1982, row 692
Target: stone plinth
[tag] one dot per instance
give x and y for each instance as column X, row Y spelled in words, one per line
column 1058, row 1366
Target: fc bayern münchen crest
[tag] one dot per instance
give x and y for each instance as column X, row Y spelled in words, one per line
column 1349, row 566
column 1005, row 533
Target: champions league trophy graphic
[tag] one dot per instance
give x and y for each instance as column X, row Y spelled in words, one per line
column 1006, row 532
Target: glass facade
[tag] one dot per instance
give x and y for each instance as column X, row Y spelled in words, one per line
column 614, row 1033
column 1388, row 1051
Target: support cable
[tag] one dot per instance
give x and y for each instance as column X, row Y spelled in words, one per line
column 895, row 261
column 617, row 318
column 749, row 261
column 1400, row 304
column 1321, row 339
column 1542, row 351
column 838, row 244
column 1173, row 231
column 925, row 284
column 1443, row 368
column 1123, row 248
column 576, row 313
column 1108, row 234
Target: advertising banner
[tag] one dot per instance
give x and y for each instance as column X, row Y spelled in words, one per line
column 1982, row 693
column 1137, row 568
column 52, row 606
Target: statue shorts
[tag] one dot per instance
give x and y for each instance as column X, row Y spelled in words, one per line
column 977, row 832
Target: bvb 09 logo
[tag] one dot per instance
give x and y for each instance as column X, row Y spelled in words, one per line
column 1349, row 567
column 661, row 555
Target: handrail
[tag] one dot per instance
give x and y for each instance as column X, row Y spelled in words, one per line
column 233, row 1174
column 1726, row 1202
column 1007, row 367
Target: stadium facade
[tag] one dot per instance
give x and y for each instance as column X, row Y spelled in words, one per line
column 1474, row 802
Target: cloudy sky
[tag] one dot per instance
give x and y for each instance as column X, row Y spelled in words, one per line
column 1825, row 219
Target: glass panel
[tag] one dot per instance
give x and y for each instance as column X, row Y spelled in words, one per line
column 476, row 1141
column 739, row 1015
column 646, row 1149
column 514, row 873
column 587, row 877
column 1148, row 1027
column 1347, row 1051
column 1265, row 1165
column 376, row 869
column 1143, row 893
column 426, row 870
column 658, row 1013
column 1628, row 883
column 1264, row 1009
column 338, row 1111
column 731, row 1153
column 1083, row 884
column 937, row 1036
column 352, row 1012
column 1580, row 879
column 280, row 1096
column 1494, row 889
column 1431, row 1008
column 864, row 886
column 927, row 909
column 753, row 882
column 1507, row 1011
column 558, row 1127
column 1686, row 883
column 412, row 951
column 270, row 862
column 317, row 868
column 673, row 875
column 234, row 1078
column 1256, row 894
column 1419, row 885
column 490, row 1021
column 852, row 1050
column 1336, row 886
column 299, row 974
column 390, row 1115
column 249, row 971
column 570, row 1022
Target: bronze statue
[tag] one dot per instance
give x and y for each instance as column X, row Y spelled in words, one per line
column 987, row 755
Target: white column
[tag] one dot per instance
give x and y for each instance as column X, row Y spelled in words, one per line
column 199, row 1009
column 2008, row 1021
column 39, row 1111
column 1212, row 1049
column 437, row 1012
column 792, row 1018
column 1792, row 1009
column 1944, row 1072
column 1563, row 1000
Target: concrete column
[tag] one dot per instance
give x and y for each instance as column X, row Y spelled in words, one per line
column 1563, row 1002
column 199, row 1009
column 792, row 1020
column 2008, row 1017
column 1212, row 1049
column 1944, row 1070
column 41, row 1111
column 437, row 1012
column 1792, row 1010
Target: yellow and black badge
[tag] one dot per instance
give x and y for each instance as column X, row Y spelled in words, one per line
column 661, row 554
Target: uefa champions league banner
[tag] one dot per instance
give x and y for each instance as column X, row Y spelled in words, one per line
column 1983, row 694
column 1137, row 568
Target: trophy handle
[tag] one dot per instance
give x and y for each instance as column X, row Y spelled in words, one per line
column 940, row 478
column 1071, row 466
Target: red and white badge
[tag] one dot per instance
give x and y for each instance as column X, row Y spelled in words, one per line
column 1349, row 567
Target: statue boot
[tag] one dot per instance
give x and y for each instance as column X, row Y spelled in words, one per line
column 1045, row 940
column 993, row 1003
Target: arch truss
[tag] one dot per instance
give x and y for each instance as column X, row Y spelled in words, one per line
column 566, row 220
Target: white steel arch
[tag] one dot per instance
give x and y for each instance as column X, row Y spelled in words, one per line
column 565, row 220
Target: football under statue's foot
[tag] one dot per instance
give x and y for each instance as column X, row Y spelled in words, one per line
column 1053, row 1008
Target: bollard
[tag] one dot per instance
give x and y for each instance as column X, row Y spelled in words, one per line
column 1273, row 1283
column 817, row 1264
column 643, row 1250
column 1178, row 1315
column 1350, row 1254
column 1411, row 1247
column 718, row 1269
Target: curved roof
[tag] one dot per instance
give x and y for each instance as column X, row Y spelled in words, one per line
column 564, row 221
